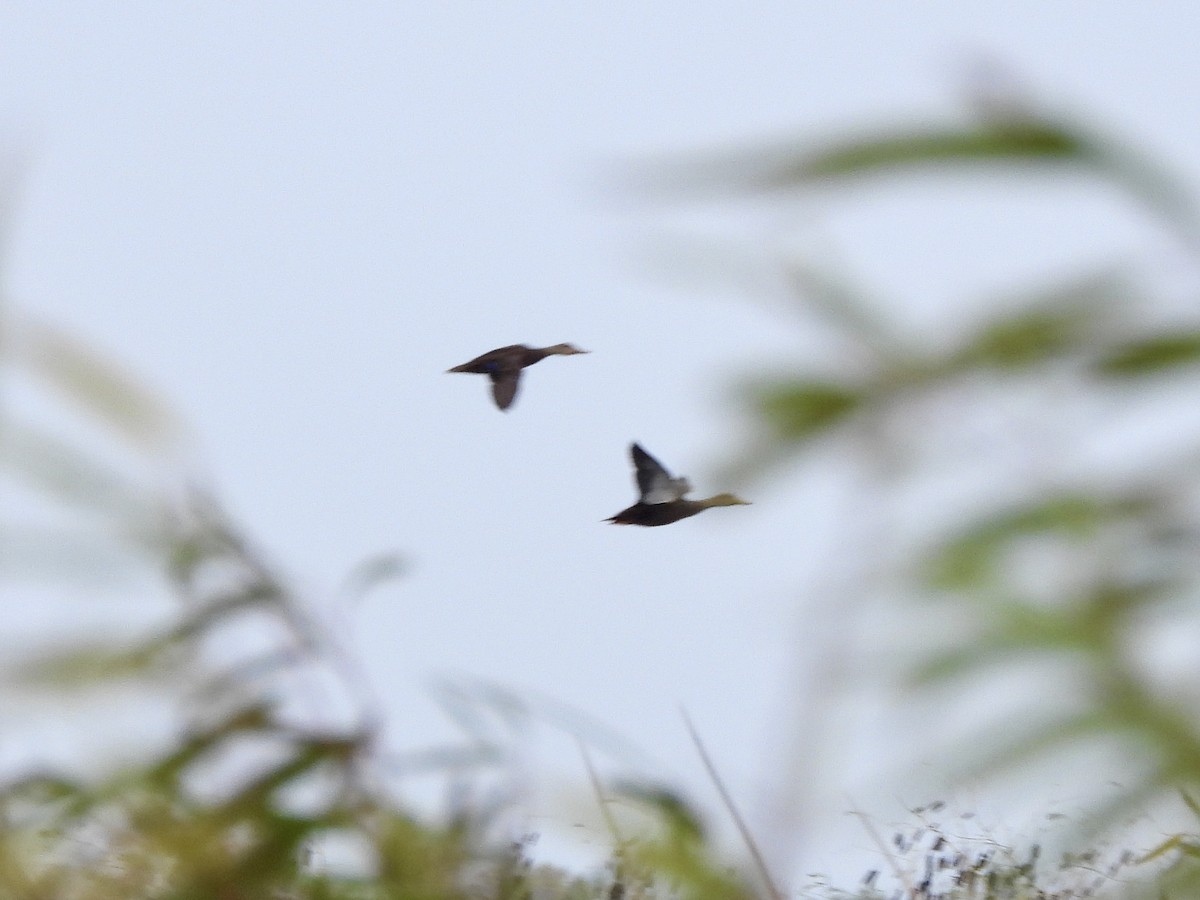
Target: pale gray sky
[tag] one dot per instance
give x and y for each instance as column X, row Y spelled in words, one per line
column 292, row 218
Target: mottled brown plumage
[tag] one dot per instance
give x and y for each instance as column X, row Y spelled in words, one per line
column 661, row 498
column 504, row 364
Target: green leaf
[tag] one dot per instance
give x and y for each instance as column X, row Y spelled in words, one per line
column 1149, row 183
column 1064, row 318
column 1184, row 843
column 800, row 410
column 99, row 385
column 796, row 163
column 88, row 663
column 969, row 560
column 59, row 470
column 43, row 789
column 1151, row 356
column 1016, row 631
column 61, row 554
column 254, row 717
column 680, row 818
column 1006, row 141
column 1191, row 803
column 1027, row 339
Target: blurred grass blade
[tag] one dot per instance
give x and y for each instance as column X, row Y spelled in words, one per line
column 680, row 817
column 252, row 718
column 1151, row 356
column 56, row 468
column 797, row 164
column 800, row 410
column 90, row 663
column 1191, row 803
column 1016, row 629
column 1151, row 184
column 1005, row 141
column 845, row 307
column 447, row 758
column 96, row 661
column 1024, row 340
column 98, row 385
column 374, row 571
column 993, row 141
column 58, row 554
column 969, row 560
column 1056, row 322
column 1013, row 744
column 792, row 412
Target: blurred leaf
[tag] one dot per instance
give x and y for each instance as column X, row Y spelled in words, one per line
column 1025, row 340
column 968, row 560
column 680, row 818
column 800, row 410
column 1004, row 141
column 449, row 757
column 793, row 164
column 1054, row 322
column 1150, row 356
column 844, row 306
column 221, row 608
column 374, row 571
column 250, row 718
column 93, row 662
column 997, row 141
column 58, row 469
column 1184, row 843
column 1010, row 744
column 1191, row 803
column 98, row 385
column 232, row 681
column 1016, row 630
column 1138, row 788
column 45, row 790
column 62, row 554
column 1029, row 338
column 87, row 664
column 309, row 754
column 1020, row 634
column 417, row 861
column 692, row 874
column 1150, row 183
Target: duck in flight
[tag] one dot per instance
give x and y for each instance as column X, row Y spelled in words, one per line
column 503, row 366
column 661, row 498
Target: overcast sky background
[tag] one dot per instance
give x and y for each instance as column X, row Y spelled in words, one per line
column 291, row 219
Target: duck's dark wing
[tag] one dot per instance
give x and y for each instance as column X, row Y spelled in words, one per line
column 655, row 484
column 504, row 387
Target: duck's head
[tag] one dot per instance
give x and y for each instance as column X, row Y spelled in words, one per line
column 725, row 500
column 564, row 350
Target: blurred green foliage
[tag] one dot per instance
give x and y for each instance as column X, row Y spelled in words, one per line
column 243, row 798
column 1070, row 566
column 248, row 798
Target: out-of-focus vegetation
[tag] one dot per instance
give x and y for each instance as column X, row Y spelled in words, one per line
column 1080, row 570
column 1083, row 566
column 274, row 781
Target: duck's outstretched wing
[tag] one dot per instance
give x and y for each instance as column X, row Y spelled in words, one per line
column 655, row 484
column 504, row 387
